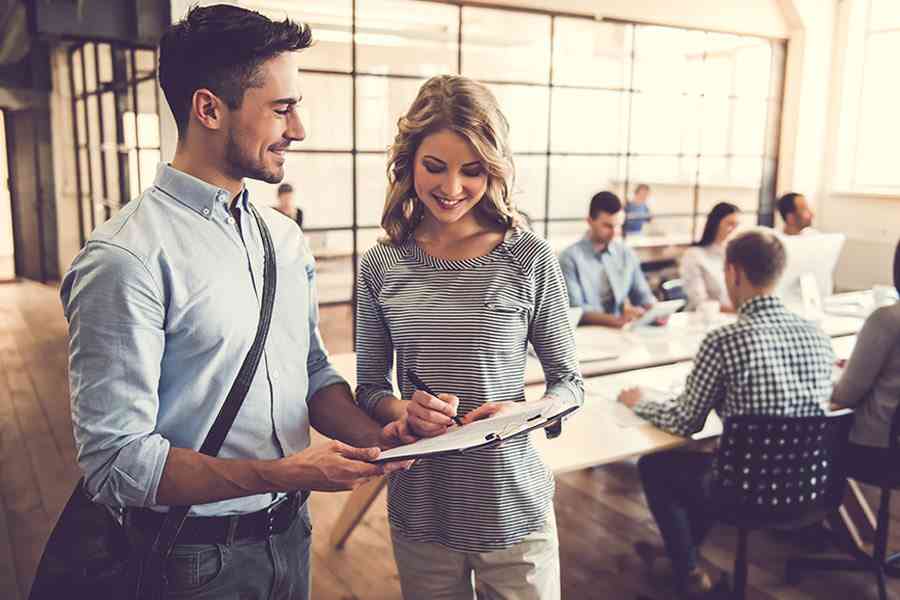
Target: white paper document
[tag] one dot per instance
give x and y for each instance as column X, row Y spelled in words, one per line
column 602, row 399
column 521, row 417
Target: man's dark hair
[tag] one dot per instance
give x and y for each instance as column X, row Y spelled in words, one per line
column 787, row 204
column 605, row 202
column 759, row 254
column 285, row 188
column 640, row 187
column 221, row 48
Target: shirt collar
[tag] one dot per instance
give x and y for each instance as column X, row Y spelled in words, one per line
column 195, row 193
column 759, row 304
column 589, row 245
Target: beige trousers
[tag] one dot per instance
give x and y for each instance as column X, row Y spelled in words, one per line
column 527, row 571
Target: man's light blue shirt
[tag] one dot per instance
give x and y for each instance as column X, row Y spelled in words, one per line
column 163, row 304
column 602, row 280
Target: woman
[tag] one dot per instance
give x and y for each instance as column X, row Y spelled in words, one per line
column 703, row 265
column 871, row 385
column 458, row 290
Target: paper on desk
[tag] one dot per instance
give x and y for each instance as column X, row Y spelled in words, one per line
column 622, row 416
column 519, row 417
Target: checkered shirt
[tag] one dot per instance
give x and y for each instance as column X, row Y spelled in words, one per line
column 770, row 362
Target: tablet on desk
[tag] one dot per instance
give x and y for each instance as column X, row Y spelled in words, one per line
column 660, row 310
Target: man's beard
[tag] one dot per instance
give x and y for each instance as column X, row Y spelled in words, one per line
column 240, row 165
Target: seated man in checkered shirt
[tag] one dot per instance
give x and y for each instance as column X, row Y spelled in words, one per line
column 770, row 362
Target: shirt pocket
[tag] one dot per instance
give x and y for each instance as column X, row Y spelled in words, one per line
column 504, row 326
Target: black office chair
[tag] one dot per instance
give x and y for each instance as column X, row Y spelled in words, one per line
column 776, row 473
column 673, row 289
column 877, row 563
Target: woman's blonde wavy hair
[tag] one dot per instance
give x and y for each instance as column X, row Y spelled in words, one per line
column 468, row 108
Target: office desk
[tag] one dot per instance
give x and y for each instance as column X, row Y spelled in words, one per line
column 677, row 341
column 593, row 435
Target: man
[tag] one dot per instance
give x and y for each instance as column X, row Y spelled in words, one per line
column 286, row 204
column 796, row 214
column 770, row 362
column 603, row 275
column 637, row 211
column 163, row 304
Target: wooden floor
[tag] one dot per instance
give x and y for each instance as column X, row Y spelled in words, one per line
column 601, row 512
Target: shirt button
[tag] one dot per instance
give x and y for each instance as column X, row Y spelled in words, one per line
column 229, row 220
column 273, row 374
column 206, row 211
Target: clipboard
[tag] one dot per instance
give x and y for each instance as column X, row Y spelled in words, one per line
column 487, row 433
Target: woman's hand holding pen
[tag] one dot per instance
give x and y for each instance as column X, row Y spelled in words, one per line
column 430, row 416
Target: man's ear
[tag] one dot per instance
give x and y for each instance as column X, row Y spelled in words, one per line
column 208, row 109
column 734, row 273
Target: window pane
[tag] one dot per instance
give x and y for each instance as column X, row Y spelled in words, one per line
column 530, row 187
column 884, row 14
column 323, row 187
column 879, row 122
column 526, row 108
column 591, row 54
column 406, row 37
column 81, row 125
column 668, row 59
column 731, row 171
column 749, row 127
column 145, row 62
column 77, row 71
column 671, row 180
column 745, row 197
column 575, row 179
column 105, row 64
column 604, row 132
column 149, row 159
column 500, row 45
column 331, row 24
column 380, row 102
column 715, row 125
column 90, row 67
column 737, row 65
column 110, row 148
column 326, row 111
column 563, row 235
column 371, row 187
column 663, row 124
column 334, row 264
column 148, row 118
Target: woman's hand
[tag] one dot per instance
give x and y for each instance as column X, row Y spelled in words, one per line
column 430, row 416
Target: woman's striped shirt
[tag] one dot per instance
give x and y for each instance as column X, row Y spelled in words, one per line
column 463, row 326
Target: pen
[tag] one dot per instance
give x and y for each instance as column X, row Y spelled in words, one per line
column 410, row 374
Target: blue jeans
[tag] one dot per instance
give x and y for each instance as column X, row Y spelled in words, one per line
column 676, row 485
column 276, row 568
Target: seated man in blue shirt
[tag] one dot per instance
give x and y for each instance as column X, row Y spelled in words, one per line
column 637, row 211
column 602, row 273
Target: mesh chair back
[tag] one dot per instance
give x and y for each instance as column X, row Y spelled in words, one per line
column 778, row 468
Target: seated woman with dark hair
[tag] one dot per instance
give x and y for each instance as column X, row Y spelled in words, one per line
column 703, row 266
column 871, row 385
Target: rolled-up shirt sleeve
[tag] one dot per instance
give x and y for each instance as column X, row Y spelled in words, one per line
column 116, row 316
column 550, row 333
column 319, row 369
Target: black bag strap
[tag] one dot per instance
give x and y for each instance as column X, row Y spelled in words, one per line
column 176, row 516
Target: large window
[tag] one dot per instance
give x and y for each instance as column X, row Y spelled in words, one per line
column 870, row 123
column 115, row 108
column 592, row 106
